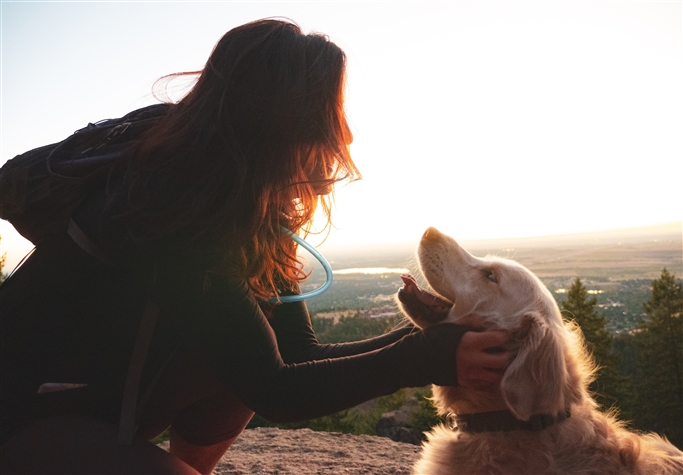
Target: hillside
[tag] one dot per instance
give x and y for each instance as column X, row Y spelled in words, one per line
column 617, row 266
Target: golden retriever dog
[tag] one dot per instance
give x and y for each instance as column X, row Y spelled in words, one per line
column 542, row 419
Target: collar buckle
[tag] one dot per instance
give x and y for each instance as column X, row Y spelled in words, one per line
column 452, row 421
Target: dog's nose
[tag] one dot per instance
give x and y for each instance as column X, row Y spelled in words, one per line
column 431, row 234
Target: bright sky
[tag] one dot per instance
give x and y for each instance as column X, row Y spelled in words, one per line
column 485, row 119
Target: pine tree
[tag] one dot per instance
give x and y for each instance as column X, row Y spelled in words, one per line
column 609, row 385
column 3, row 256
column 659, row 361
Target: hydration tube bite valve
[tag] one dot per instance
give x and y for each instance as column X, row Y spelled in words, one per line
column 326, row 265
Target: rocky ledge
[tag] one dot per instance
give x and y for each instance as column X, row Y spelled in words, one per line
column 305, row 452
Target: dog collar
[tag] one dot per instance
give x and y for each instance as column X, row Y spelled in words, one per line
column 502, row 421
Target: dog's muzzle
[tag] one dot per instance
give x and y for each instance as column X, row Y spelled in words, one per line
column 423, row 303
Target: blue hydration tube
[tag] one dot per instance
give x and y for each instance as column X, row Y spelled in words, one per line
column 323, row 262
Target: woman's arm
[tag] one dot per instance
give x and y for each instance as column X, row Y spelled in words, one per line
column 236, row 338
column 297, row 342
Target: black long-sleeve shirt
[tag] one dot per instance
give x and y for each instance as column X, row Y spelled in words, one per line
column 67, row 317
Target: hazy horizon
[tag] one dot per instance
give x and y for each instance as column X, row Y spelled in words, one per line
column 673, row 230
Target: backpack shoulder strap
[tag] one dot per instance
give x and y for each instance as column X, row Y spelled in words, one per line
column 127, row 420
column 84, row 242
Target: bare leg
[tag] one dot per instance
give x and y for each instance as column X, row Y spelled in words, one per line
column 77, row 444
column 203, row 458
column 205, row 418
column 204, row 431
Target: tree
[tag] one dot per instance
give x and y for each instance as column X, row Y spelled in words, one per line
column 659, row 360
column 3, row 256
column 425, row 416
column 609, row 386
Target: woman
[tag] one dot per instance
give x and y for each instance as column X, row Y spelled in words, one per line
column 193, row 218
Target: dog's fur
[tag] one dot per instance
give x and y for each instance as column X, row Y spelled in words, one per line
column 550, row 373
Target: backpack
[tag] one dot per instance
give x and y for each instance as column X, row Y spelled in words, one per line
column 40, row 189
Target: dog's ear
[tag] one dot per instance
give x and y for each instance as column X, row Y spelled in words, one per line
column 536, row 380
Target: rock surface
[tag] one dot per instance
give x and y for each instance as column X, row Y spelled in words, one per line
column 305, row 452
column 396, row 425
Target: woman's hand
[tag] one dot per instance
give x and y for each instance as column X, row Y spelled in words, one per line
column 481, row 358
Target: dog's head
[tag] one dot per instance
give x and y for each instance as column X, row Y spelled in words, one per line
column 545, row 376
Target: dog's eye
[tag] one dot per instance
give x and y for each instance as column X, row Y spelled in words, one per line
column 488, row 273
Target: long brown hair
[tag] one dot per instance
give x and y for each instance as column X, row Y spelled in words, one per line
column 257, row 144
